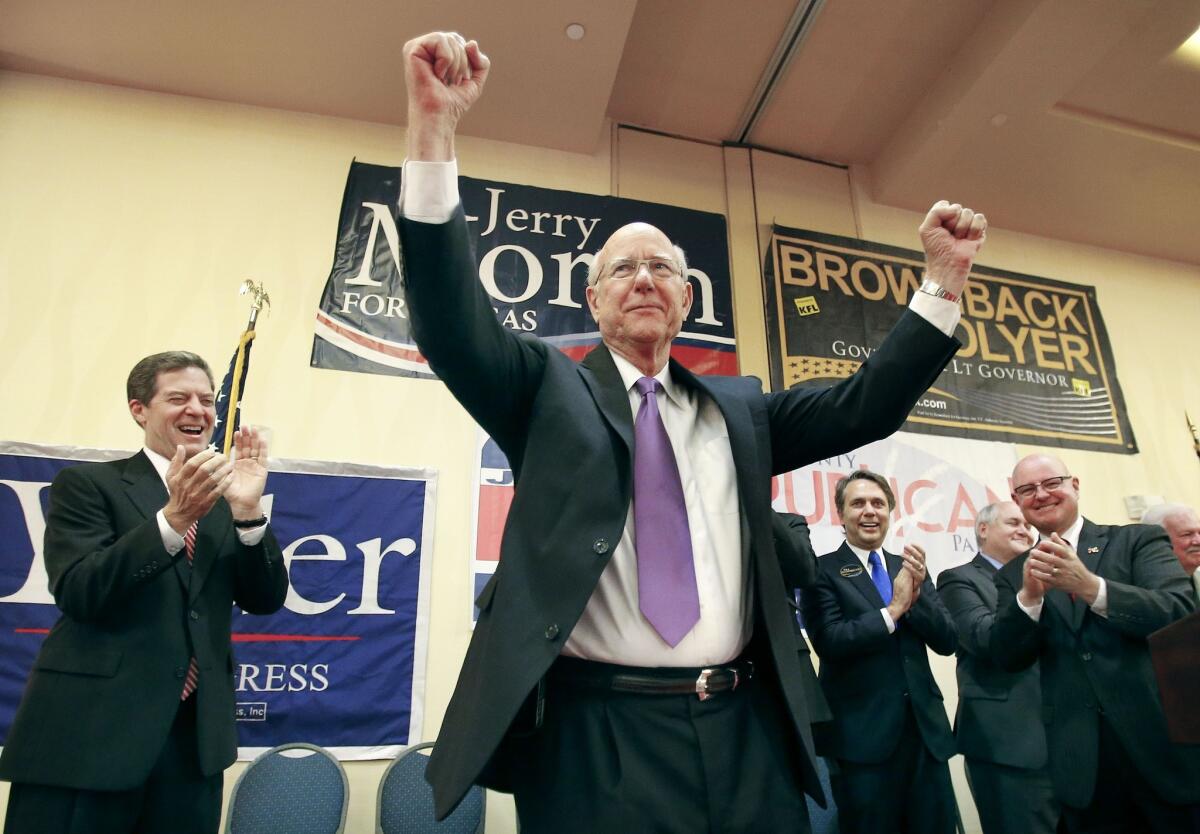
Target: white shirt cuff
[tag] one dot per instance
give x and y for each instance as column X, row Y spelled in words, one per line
column 888, row 621
column 252, row 536
column 429, row 190
column 939, row 312
column 1100, row 606
column 1034, row 611
column 172, row 541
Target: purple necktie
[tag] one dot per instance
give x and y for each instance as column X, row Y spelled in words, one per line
column 667, row 592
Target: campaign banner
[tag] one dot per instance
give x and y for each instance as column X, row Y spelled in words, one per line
column 1036, row 365
column 940, row 485
column 533, row 247
column 341, row 665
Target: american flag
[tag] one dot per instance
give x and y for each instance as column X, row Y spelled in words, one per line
column 229, row 397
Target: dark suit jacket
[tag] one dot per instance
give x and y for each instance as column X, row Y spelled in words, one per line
column 999, row 712
column 799, row 565
column 567, row 430
column 871, row 677
column 105, row 687
column 1092, row 664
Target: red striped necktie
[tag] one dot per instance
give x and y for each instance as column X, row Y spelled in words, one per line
column 193, row 672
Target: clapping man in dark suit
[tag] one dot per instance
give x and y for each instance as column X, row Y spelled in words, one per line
column 999, row 722
column 1082, row 602
column 871, row 615
column 634, row 666
column 126, row 724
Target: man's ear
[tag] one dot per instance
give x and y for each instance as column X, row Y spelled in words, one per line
column 590, row 294
column 137, row 409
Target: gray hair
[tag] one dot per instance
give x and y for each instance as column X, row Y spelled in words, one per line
column 143, row 379
column 986, row 516
column 594, row 268
column 1161, row 512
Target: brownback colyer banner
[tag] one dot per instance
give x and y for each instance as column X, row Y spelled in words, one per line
column 1035, row 365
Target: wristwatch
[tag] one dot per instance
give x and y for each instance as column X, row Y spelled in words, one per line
column 937, row 290
column 249, row 523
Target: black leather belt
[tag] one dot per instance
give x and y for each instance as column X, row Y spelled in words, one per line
column 703, row 683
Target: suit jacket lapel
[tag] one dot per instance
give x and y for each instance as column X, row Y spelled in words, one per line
column 143, row 485
column 148, row 494
column 602, row 378
column 987, row 576
column 1090, row 549
column 213, row 528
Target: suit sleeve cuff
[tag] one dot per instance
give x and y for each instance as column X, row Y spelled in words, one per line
column 429, row 191
column 939, row 312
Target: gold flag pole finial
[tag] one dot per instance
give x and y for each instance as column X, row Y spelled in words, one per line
column 260, row 299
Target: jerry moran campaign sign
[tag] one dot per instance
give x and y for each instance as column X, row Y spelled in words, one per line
column 533, row 247
column 342, row 664
column 1036, row 365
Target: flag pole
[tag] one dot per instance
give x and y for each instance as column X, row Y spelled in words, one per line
column 259, row 299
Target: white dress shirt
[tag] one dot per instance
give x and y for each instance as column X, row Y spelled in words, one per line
column 864, row 556
column 612, row 628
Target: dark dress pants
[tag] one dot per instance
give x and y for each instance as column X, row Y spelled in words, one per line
column 1013, row 800
column 1124, row 802
column 908, row 792
column 622, row 763
column 176, row 799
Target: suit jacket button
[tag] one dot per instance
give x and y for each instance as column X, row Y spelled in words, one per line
column 1086, row 656
column 600, row 546
column 180, row 672
column 195, row 615
column 552, row 631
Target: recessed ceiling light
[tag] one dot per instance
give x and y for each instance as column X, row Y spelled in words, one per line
column 1190, row 50
column 575, row 31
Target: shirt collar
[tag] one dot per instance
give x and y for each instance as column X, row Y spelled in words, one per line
column 996, row 563
column 630, row 375
column 1072, row 533
column 864, row 556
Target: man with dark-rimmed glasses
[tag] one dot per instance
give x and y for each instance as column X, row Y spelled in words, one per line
column 1083, row 601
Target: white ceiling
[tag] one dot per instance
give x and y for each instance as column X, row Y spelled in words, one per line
column 1070, row 119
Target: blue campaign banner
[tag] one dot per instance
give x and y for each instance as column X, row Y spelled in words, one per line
column 533, row 247
column 342, row 664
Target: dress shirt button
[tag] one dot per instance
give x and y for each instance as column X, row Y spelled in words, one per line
column 552, row 631
column 600, row 546
column 180, row 672
column 195, row 615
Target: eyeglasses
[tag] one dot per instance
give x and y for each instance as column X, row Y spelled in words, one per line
column 1050, row 484
column 626, row 269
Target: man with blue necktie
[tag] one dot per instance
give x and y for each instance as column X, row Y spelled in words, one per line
column 870, row 616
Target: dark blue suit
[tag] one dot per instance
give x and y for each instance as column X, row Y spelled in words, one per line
column 890, row 736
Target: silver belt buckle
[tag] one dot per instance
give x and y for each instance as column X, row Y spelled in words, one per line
column 702, row 684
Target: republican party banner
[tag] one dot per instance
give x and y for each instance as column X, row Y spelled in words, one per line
column 1036, row 365
column 533, row 247
column 940, row 485
column 342, row 664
